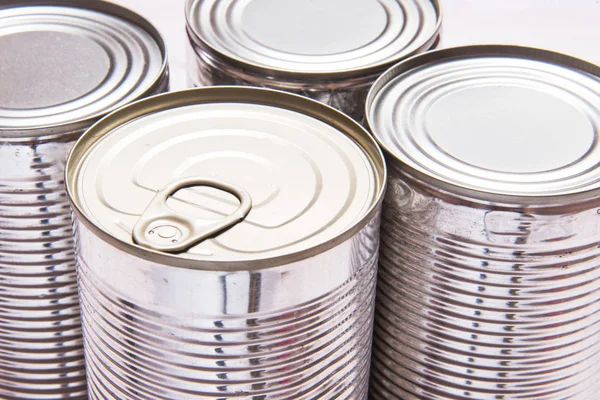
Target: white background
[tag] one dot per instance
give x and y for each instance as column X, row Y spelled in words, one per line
column 568, row 26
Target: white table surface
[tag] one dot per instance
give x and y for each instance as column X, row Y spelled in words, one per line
column 568, row 26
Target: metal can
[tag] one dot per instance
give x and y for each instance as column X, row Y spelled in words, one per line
column 489, row 279
column 63, row 65
column 258, row 280
column 329, row 50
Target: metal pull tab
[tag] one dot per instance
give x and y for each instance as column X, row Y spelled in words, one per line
column 160, row 228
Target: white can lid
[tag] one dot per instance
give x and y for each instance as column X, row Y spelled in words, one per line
column 303, row 181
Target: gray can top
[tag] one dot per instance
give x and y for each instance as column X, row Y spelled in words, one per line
column 500, row 120
column 66, row 63
column 305, row 177
column 320, row 39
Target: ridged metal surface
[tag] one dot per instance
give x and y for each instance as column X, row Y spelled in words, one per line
column 69, row 63
column 298, row 331
column 41, row 354
column 348, row 97
column 481, row 302
column 40, row 333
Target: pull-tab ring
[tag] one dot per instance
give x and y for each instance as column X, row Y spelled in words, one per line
column 160, row 228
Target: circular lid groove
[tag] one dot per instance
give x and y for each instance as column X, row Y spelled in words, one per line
column 315, row 38
column 495, row 119
column 64, row 64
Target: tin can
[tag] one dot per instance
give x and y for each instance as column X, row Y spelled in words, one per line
column 64, row 64
column 489, row 280
column 329, row 50
column 238, row 258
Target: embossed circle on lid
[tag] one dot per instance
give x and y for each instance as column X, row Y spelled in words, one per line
column 314, row 37
column 496, row 119
column 63, row 64
column 308, row 181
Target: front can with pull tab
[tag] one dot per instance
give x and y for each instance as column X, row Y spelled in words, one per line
column 227, row 243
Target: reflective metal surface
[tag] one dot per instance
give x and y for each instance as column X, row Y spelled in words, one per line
column 66, row 63
column 485, row 302
column 51, row 58
column 41, row 355
column 491, row 293
column 279, row 304
column 203, row 71
column 497, row 119
column 279, row 44
column 300, row 330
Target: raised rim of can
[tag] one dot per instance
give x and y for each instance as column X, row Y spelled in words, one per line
column 470, row 51
column 251, row 69
column 227, row 94
column 68, row 130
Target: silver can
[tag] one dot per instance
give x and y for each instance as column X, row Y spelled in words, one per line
column 227, row 241
column 328, row 50
column 489, row 280
column 63, row 65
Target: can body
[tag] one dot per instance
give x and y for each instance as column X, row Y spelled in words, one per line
column 40, row 325
column 489, row 282
column 348, row 97
column 480, row 302
column 186, row 294
column 117, row 57
column 300, row 331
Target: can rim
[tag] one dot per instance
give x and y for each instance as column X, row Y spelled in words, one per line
column 316, row 77
column 74, row 128
column 474, row 51
column 227, row 94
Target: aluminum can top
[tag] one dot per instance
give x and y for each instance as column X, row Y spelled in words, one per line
column 493, row 122
column 321, row 40
column 66, row 63
column 226, row 177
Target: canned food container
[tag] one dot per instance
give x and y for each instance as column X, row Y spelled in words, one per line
column 63, row 65
column 329, row 50
column 227, row 241
column 489, row 281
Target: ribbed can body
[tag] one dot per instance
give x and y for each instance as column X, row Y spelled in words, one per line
column 297, row 331
column 40, row 328
column 41, row 355
column 485, row 301
column 348, row 97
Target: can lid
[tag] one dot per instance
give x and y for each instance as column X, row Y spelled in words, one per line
column 68, row 62
column 314, row 38
column 502, row 120
column 300, row 181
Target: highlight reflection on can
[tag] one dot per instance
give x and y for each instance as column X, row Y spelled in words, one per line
column 329, row 50
column 257, row 282
column 63, row 65
column 489, row 282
